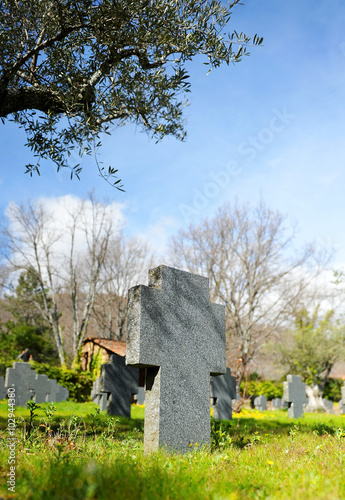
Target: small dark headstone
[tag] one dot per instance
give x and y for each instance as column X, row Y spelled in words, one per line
column 120, row 382
column 223, row 391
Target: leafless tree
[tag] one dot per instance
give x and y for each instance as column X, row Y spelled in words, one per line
column 67, row 262
column 93, row 225
column 254, row 270
column 30, row 238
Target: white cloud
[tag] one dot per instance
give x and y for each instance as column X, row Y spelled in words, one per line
column 157, row 236
column 60, row 213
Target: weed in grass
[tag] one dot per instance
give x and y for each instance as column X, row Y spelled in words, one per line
column 33, row 407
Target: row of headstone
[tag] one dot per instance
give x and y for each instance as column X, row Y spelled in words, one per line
column 30, row 385
column 260, row 402
column 114, row 389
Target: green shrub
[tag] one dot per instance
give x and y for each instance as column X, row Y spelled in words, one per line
column 332, row 390
column 77, row 382
column 270, row 388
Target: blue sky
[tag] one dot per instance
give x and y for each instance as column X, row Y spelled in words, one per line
column 271, row 126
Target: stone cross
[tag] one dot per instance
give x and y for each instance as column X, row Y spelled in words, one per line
column 62, row 393
column 120, row 382
column 260, row 402
column 295, row 395
column 52, row 390
column 179, row 336
column 21, row 377
column 41, row 388
column 223, row 391
column 277, row 403
column 328, row 404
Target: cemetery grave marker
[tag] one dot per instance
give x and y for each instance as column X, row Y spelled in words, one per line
column 62, row 393
column 21, row 377
column 3, row 392
column 53, row 388
column 223, row 391
column 120, row 382
column 295, row 395
column 328, row 404
column 179, row 337
column 260, row 402
column 41, row 388
column 277, row 403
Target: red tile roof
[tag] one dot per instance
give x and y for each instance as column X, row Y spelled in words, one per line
column 115, row 346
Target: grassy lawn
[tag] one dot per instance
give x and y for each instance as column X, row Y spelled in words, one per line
column 75, row 453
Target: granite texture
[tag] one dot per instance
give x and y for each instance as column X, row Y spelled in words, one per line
column 295, row 395
column 179, row 336
column 223, row 391
column 21, row 377
column 120, row 382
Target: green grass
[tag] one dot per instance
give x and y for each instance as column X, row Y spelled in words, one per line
column 84, row 455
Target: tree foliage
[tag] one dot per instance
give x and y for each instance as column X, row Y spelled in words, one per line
column 70, row 69
column 312, row 348
column 26, row 328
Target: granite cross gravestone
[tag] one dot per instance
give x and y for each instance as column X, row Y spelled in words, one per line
column 41, row 388
column 62, row 393
column 295, row 395
column 223, row 391
column 98, row 397
column 179, row 336
column 3, row 391
column 277, row 403
column 52, row 390
column 328, row 404
column 120, row 382
column 21, row 377
column 260, row 402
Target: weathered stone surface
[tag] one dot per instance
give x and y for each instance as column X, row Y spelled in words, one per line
column 223, row 391
column 260, row 402
column 277, row 404
column 53, row 388
column 41, row 388
column 62, row 393
column 179, row 336
column 295, row 395
column 141, row 396
column 95, row 391
column 3, row 392
column 21, row 377
column 119, row 382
